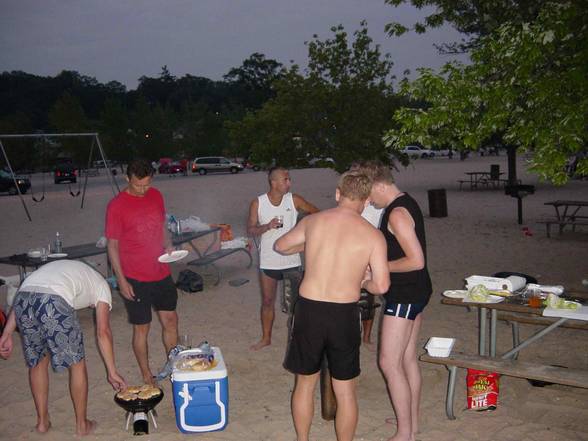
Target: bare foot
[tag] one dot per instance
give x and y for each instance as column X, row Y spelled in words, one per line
column 88, row 427
column 391, row 420
column 261, row 344
column 43, row 427
column 370, row 346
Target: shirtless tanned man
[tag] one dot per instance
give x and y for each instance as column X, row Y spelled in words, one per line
column 271, row 215
column 339, row 245
column 410, row 288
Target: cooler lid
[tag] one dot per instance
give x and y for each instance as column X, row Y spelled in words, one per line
column 217, row 372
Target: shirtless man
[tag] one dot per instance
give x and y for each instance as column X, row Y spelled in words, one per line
column 339, row 245
column 410, row 289
column 271, row 215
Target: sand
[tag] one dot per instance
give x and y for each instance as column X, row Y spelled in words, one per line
column 479, row 236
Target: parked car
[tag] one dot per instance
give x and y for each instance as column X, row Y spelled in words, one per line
column 208, row 164
column 65, row 172
column 7, row 183
column 172, row 168
column 414, row 151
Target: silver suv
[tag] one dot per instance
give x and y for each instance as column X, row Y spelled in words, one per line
column 215, row 163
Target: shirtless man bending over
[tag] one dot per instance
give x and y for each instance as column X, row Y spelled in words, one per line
column 339, row 245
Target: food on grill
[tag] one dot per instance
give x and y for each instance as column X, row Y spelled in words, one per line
column 144, row 392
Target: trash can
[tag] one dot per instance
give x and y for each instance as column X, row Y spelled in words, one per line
column 437, row 202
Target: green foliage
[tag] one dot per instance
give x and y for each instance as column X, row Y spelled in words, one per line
column 473, row 18
column 528, row 83
column 338, row 109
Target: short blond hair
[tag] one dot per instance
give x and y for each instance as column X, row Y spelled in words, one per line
column 377, row 172
column 354, row 185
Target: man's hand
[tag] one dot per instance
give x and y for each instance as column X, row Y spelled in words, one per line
column 274, row 223
column 117, row 382
column 126, row 289
column 6, row 346
column 169, row 249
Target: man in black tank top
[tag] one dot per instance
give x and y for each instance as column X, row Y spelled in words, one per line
column 410, row 288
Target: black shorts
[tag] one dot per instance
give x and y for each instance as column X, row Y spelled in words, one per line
column 161, row 295
column 280, row 274
column 327, row 328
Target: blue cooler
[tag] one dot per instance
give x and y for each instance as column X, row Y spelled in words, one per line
column 201, row 399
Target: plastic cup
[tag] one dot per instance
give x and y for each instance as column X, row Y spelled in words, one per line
column 185, row 340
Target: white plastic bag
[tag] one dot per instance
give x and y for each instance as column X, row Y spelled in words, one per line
column 238, row 242
column 193, row 223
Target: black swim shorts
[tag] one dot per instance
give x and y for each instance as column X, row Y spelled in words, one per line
column 281, row 274
column 327, row 328
column 161, row 295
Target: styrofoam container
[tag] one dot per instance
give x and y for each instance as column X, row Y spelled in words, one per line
column 440, row 346
column 201, row 399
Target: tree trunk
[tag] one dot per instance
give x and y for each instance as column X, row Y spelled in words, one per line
column 511, row 152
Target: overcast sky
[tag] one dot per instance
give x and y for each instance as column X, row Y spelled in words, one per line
column 124, row 39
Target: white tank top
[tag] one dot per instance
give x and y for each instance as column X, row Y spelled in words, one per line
column 268, row 258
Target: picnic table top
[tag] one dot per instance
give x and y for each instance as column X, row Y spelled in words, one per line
column 567, row 202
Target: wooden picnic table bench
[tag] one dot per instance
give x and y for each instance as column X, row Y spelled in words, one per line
column 562, row 223
column 566, row 213
column 508, row 367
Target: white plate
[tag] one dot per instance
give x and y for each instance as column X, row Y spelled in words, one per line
column 491, row 299
column 173, row 257
column 57, row 255
column 455, row 293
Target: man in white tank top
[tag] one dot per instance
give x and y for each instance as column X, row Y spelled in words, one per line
column 271, row 215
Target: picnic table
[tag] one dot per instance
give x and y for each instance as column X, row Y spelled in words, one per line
column 482, row 179
column 23, row 261
column 566, row 213
column 514, row 310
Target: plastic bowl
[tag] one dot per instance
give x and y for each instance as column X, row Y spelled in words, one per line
column 440, row 346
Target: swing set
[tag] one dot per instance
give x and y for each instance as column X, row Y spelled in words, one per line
column 95, row 142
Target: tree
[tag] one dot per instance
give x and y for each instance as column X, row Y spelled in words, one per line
column 473, row 18
column 527, row 82
column 338, row 109
column 67, row 116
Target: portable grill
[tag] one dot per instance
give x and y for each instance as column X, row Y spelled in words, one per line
column 139, row 410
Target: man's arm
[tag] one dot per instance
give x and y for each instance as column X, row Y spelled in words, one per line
column 168, row 245
column 402, row 224
column 380, row 276
column 303, row 205
column 124, row 286
column 293, row 241
column 104, row 336
column 6, row 339
column 253, row 226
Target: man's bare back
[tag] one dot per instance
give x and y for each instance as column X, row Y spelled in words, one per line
column 339, row 245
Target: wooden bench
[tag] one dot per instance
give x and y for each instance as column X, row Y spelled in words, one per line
column 209, row 259
column 562, row 223
column 511, row 368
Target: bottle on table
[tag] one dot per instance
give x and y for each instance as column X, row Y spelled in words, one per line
column 57, row 244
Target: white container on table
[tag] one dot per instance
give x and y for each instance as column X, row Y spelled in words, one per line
column 440, row 346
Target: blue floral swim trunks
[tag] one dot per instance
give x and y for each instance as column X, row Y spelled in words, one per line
column 47, row 323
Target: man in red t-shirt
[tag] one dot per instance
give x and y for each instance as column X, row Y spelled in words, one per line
column 137, row 236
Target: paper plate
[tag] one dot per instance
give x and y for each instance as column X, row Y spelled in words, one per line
column 491, row 299
column 455, row 293
column 57, row 255
column 173, row 257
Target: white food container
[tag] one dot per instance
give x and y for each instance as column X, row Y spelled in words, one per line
column 493, row 283
column 439, row 346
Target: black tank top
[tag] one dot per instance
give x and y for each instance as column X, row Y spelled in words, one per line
column 411, row 286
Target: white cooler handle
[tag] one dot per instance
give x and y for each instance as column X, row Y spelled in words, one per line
column 185, row 394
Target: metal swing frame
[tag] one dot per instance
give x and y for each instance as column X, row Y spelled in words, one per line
column 95, row 141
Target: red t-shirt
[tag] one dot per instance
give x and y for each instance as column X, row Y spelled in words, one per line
column 137, row 223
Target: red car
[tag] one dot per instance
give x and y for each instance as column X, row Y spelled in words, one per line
column 173, row 168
